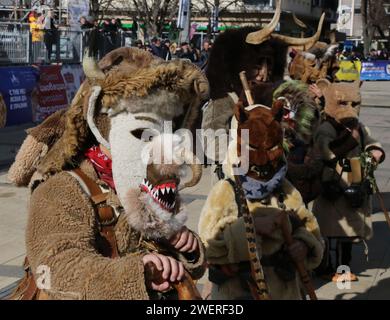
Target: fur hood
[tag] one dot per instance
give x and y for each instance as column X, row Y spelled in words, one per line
column 133, row 79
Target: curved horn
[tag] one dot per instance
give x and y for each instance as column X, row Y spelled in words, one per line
column 196, row 168
column 91, row 68
column 264, row 34
column 307, row 43
column 299, row 22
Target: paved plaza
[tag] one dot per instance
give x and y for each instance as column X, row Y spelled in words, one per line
column 374, row 273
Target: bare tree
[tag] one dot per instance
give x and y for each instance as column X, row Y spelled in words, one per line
column 154, row 13
column 205, row 8
column 375, row 21
column 98, row 8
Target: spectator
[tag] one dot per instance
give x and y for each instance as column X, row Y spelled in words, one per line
column 173, row 50
column 204, row 55
column 195, row 51
column 109, row 35
column 134, row 29
column 156, row 48
column 50, row 35
column 186, row 53
column 118, row 24
column 36, row 26
column 165, row 49
column 383, row 55
column 85, row 24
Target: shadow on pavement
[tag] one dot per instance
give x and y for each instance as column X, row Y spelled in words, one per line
column 378, row 292
column 376, row 207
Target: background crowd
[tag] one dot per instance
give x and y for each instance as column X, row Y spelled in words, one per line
column 44, row 29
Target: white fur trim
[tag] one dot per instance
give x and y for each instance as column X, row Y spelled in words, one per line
column 91, row 114
column 233, row 96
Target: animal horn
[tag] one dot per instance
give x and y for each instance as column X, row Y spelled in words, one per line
column 299, row 22
column 91, row 68
column 264, row 34
column 307, row 43
column 196, row 168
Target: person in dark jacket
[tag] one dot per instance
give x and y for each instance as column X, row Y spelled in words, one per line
column 186, row 52
column 156, row 48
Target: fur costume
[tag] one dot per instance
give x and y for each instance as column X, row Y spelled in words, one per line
column 224, row 232
column 248, row 50
column 317, row 63
column 302, row 119
column 63, row 231
column 336, row 217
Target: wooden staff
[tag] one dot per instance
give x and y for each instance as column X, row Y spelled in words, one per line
column 247, row 90
column 257, row 283
column 304, row 275
column 186, row 288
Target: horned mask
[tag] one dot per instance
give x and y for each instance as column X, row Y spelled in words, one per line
column 266, row 155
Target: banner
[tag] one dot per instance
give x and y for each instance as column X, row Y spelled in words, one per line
column 16, row 88
column 51, row 94
column 349, row 70
column 376, row 70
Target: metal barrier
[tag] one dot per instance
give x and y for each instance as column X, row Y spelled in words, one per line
column 20, row 45
column 14, row 43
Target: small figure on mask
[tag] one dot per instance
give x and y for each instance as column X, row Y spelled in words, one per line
column 345, row 146
column 224, row 231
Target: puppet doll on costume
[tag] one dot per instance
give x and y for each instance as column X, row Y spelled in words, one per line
column 344, row 144
column 267, row 193
column 105, row 209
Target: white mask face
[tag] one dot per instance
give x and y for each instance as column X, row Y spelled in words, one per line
column 156, row 214
column 129, row 163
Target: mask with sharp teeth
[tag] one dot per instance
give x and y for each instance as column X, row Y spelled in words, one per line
column 155, row 208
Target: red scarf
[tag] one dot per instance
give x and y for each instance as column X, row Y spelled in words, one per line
column 102, row 164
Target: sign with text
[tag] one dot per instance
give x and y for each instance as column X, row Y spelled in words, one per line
column 376, row 70
column 16, row 87
column 51, row 93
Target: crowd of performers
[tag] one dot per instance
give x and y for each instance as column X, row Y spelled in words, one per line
column 109, row 225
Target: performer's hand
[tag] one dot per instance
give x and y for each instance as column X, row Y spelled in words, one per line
column 316, row 91
column 298, row 250
column 171, row 271
column 377, row 155
column 266, row 225
column 184, row 241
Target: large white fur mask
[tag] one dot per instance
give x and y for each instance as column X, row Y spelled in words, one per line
column 147, row 173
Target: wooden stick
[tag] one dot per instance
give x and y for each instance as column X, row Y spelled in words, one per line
column 247, row 90
column 186, row 288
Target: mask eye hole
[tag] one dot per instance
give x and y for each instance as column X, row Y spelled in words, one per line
column 343, row 103
column 144, row 134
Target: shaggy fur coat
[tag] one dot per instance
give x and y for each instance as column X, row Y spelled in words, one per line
column 337, row 218
column 62, row 233
column 223, row 234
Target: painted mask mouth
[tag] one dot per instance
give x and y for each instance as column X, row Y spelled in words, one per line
column 163, row 194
